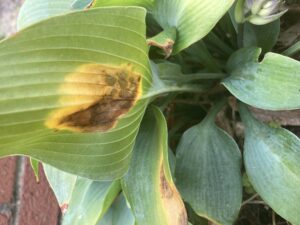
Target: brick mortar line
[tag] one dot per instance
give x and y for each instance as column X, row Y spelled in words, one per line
column 18, row 189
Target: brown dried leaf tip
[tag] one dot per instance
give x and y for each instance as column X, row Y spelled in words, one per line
column 94, row 97
column 172, row 202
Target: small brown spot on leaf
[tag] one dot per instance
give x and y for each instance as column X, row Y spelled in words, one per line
column 100, row 93
column 166, row 191
column 110, row 80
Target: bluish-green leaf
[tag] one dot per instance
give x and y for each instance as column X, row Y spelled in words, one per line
column 208, row 171
column 263, row 36
column 118, row 214
column 62, row 184
column 90, row 201
column 193, row 19
column 272, row 157
column 270, row 84
column 33, row 11
column 82, row 201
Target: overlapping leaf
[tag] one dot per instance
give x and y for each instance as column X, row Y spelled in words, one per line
column 193, row 19
column 36, row 65
column 118, row 214
column 90, row 201
column 62, row 184
column 263, row 36
column 272, row 156
column 271, row 84
column 148, row 185
column 33, row 11
column 167, row 77
column 181, row 15
column 83, row 201
column 208, row 171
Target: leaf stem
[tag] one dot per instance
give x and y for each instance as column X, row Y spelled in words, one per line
column 249, row 199
column 169, row 89
column 240, row 35
column 194, row 77
column 273, row 218
column 215, row 110
column 216, row 41
column 204, row 76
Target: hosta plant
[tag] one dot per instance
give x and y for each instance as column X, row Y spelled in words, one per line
column 131, row 106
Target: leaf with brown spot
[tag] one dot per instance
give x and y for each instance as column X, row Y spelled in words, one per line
column 111, row 91
column 71, row 90
column 148, row 185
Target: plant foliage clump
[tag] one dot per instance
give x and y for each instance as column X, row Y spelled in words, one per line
column 133, row 106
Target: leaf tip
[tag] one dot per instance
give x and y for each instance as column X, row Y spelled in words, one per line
column 176, row 212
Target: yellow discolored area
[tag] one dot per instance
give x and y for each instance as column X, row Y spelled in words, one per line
column 94, row 97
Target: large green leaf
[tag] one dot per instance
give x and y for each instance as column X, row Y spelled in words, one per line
column 270, row 84
column 193, row 19
column 33, row 11
column 148, row 185
column 53, row 78
column 208, row 171
column 118, row 214
column 184, row 15
column 272, row 156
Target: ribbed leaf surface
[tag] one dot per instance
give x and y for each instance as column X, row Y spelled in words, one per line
column 90, row 201
column 58, row 67
column 272, row 158
column 118, row 214
column 193, row 19
column 33, row 11
column 270, row 84
column 208, row 171
column 148, row 185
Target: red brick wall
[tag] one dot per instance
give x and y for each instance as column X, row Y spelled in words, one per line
column 23, row 201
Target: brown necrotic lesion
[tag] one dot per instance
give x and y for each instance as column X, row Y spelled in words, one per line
column 99, row 95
